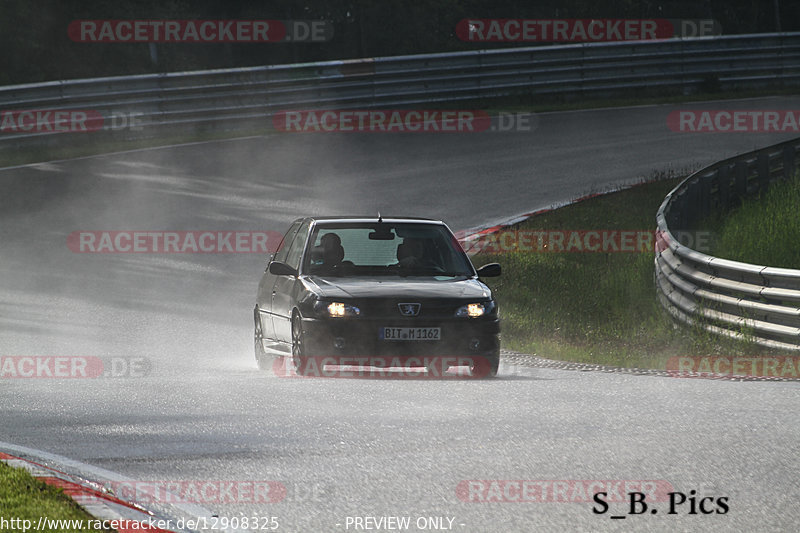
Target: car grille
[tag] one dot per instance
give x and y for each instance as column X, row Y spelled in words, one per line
column 429, row 310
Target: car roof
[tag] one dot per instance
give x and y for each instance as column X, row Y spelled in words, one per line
column 371, row 219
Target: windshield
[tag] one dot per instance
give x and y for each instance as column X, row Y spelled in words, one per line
column 391, row 249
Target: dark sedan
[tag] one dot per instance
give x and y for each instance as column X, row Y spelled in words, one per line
column 377, row 292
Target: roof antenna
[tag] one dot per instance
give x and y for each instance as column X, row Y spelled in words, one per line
column 380, row 218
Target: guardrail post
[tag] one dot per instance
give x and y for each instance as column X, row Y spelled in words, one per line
column 740, row 169
column 788, row 162
column 723, row 188
column 703, row 198
column 763, row 171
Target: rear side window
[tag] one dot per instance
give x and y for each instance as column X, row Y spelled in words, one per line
column 283, row 249
column 296, row 248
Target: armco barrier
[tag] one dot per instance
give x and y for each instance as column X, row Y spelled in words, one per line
column 243, row 99
column 728, row 297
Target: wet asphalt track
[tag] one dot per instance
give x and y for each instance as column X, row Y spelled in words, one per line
column 362, row 447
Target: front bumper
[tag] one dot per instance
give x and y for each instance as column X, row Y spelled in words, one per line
column 360, row 337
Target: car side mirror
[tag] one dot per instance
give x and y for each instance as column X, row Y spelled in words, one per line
column 281, row 269
column 490, row 270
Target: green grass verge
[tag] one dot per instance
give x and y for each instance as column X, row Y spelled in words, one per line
column 24, row 497
column 764, row 230
column 600, row 307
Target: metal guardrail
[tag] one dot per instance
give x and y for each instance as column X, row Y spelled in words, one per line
column 244, row 99
column 727, row 297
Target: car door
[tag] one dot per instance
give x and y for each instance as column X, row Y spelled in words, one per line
column 267, row 283
column 284, row 292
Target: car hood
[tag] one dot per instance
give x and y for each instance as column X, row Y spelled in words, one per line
column 388, row 287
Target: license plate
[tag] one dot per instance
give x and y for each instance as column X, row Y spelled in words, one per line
column 409, row 334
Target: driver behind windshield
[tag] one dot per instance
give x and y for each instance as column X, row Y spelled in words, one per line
column 329, row 252
column 411, row 254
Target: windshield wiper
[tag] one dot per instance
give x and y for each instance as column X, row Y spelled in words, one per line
column 430, row 272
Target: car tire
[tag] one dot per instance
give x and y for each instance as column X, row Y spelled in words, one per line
column 263, row 359
column 486, row 367
column 298, row 345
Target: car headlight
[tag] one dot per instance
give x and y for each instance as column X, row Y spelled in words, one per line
column 336, row 309
column 475, row 310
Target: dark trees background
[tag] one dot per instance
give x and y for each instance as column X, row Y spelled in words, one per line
column 35, row 45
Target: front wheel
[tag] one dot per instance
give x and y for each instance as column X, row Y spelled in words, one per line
column 298, row 345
